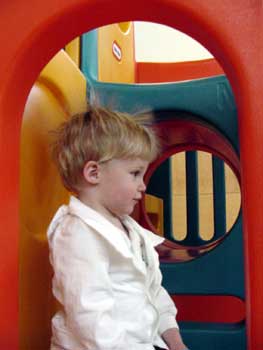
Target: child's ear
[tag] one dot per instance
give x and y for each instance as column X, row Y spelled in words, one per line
column 91, row 172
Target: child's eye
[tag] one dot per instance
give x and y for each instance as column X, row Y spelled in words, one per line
column 135, row 173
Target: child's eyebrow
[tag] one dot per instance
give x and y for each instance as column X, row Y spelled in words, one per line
column 139, row 167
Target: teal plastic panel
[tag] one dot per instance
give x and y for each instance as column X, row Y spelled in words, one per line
column 209, row 336
column 219, row 272
column 192, row 237
column 89, row 55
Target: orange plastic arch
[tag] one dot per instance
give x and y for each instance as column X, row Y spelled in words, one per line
column 33, row 31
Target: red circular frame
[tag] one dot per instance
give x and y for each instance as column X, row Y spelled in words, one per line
column 180, row 135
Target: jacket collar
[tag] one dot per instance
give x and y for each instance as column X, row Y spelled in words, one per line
column 104, row 227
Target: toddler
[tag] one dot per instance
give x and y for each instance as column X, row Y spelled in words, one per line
column 106, row 270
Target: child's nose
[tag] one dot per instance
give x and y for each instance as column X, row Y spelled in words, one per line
column 142, row 187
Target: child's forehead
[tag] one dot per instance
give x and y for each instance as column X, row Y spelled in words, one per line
column 132, row 162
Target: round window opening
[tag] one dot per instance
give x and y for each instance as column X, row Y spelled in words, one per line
column 193, row 198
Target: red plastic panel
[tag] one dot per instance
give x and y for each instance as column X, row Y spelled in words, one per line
column 230, row 30
column 210, row 308
column 154, row 72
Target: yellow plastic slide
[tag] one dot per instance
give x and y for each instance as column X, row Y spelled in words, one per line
column 59, row 92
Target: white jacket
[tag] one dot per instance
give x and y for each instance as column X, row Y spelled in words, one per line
column 110, row 298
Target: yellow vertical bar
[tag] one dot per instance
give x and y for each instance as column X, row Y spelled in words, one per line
column 205, row 195
column 179, row 219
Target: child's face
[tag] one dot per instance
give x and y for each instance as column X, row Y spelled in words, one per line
column 122, row 184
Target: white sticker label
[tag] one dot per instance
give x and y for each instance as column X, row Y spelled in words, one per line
column 116, row 50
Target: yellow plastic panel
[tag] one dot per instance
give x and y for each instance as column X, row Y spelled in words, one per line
column 154, row 209
column 116, row 63
column 59, row 92
column 66, row 82
column 73, row 50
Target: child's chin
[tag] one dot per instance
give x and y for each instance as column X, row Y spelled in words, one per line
column 123, row 213
column 129, row 211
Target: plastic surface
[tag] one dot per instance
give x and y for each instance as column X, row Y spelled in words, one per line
column 116, row 53
column 59, row 91
column 162, row 72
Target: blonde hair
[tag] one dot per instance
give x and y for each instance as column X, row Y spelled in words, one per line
column 100, row 135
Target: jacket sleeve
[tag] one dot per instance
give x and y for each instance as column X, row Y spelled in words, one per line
column 82, row 284
column 167, row 311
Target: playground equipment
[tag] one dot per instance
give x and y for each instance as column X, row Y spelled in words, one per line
column 228, row 30
column 191, row 115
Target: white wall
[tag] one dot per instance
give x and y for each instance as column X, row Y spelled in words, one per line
column 159, row 43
